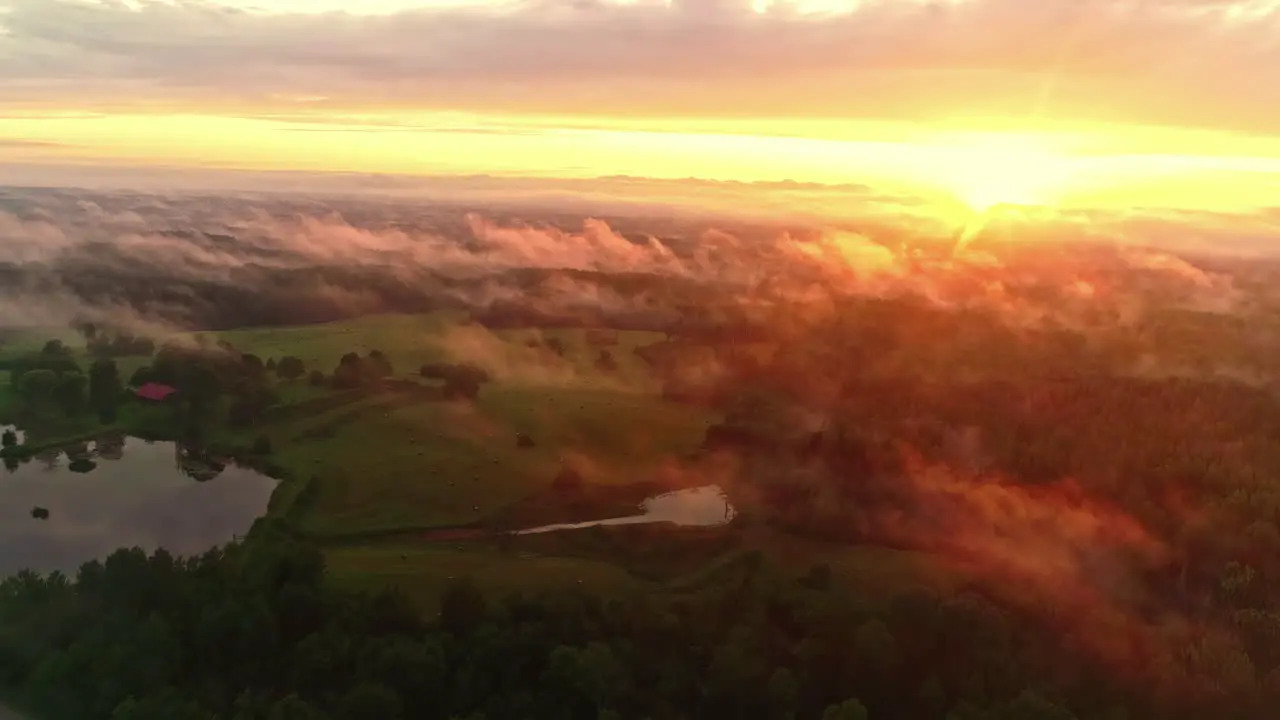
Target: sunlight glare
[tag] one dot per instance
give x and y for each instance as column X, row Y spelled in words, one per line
column 990, row 170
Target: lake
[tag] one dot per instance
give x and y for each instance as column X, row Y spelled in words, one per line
column 121, row 492
column 695, row 507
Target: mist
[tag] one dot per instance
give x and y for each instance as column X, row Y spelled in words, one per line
column 309, row 259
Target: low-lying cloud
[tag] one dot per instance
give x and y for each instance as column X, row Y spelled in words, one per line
column 180, row 258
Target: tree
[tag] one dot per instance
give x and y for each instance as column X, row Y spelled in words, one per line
column 142, row 376
column 69, row 392
column 262, row 445
column 290, row 368
column 248, row 406
column 167, row 704
column 9, row 439
column 104, row 386
column 54, row 349
column 847, row 710
column 316, row 379
column 1030, row 705
column 378, row 365
column 292, row 707
column 592, row 674
column 568, row 480
column 370, row 701
column 37, row 386
column 350, row 372
column 783, row 692
column 200, row 386
column 466, row 387
column 819, row 577
column 253, row 365
column 462, row 607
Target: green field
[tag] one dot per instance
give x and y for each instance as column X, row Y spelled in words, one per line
column 382, row 463
column 410, row 341
column 371, row 473
column 563, row 560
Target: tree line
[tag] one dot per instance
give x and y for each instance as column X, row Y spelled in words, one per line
column 253, row 631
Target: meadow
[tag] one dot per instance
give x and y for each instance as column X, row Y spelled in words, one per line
column 371, row 474
column 382, row 467
column 384, row 461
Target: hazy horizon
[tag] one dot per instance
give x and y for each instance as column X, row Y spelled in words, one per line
column 1106, row 104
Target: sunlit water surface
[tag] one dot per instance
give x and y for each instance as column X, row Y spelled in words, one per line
column 696, row 507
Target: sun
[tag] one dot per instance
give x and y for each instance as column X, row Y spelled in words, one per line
column 989, row 170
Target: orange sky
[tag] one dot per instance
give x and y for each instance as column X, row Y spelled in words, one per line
column 1088, row 102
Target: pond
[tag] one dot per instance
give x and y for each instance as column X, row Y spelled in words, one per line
column 696, row 507
column 121, row 492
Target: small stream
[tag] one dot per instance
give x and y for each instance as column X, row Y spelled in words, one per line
column 697, row 507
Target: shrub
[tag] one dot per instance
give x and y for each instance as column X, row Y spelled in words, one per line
column 262, row 445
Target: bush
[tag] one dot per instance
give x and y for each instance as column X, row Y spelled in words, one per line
column 142, row 376
column 568, row 480
column 290, row 368
column 317, row 379
column 262, row 445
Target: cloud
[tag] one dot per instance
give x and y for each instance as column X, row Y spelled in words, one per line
column 17, row 144
column 1178, row 61
column 222, row 260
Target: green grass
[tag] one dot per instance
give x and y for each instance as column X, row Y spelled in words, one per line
column 8, row 401
column 391, row 461
column 437, row 463
column 423, row 571
column 385, row 464
column 409, row 341
column 16, row 342
column 382, row 462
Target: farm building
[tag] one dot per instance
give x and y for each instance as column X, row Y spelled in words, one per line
column 155, row 392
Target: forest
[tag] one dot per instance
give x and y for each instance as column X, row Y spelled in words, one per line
column 253, row 632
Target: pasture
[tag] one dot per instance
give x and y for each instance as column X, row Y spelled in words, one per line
column 385, row 462
column 376, row 470
column 620, row 562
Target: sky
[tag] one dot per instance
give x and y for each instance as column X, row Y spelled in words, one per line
column 1088, row 102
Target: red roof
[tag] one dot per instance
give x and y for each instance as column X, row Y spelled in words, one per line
column 155, row 391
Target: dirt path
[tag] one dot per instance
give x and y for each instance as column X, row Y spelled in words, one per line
column 7, row 714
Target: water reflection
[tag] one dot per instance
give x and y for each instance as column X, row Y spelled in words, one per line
column 121, row 492
column 110, row 447
column 700, row 507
